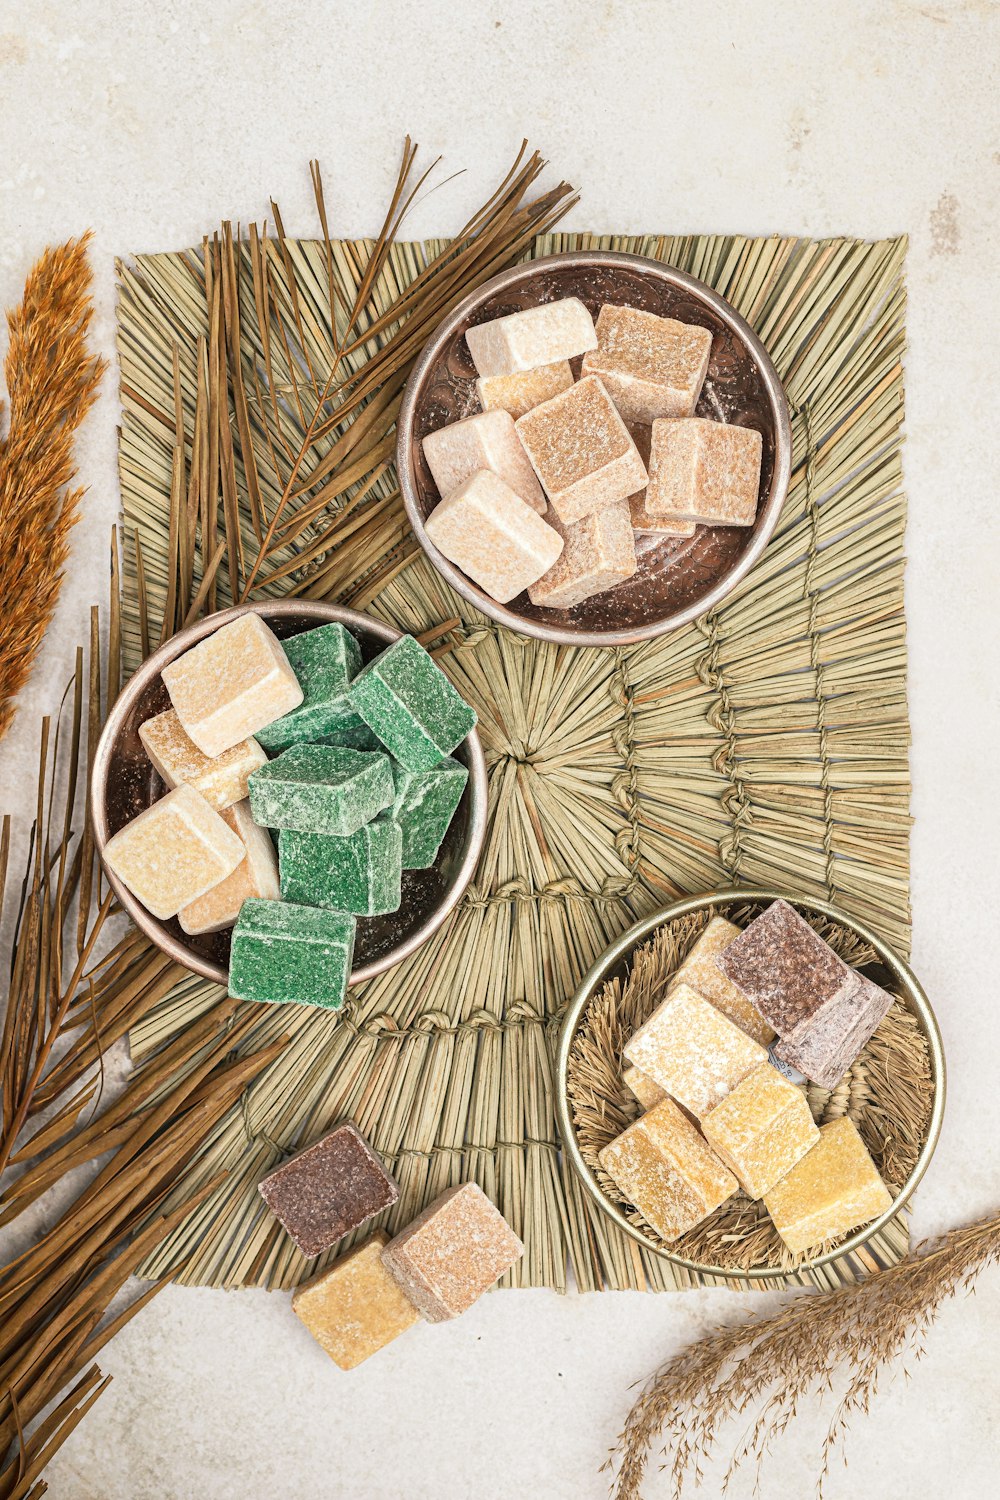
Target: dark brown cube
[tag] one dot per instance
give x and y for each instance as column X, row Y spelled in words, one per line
column 784, row 968
column 328, row 1189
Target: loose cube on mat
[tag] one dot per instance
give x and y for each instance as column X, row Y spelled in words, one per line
column 525, row 389
column 231, row 684
column 408, row 701
column 485, row 529
column 663, row 1167
column 360, row 873
column 221, row 779
column 701, row 971
column 173, row 852
column 487, row 440
column 324, row 660
column 537, row 336
column 833, row 1189
column 452, row 1252
column 693, row 1051
column 283, row 954
column 651, row 366
column 355, row 1308
column 761, row 1129
column 598, row 553
column 824, row 1046
column 581, row 450
column 702, row 471
column 328, row 1189
column 424, row 805
column 644, row 1089
column 255, row 875
column 321, row 789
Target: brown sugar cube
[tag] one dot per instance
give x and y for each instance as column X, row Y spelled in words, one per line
column 647, row 525
column 221, row 780
column 525, row 389
column 824, row 1046
column 701, row 971
column 487, row 440
column 693, row 1051
column 663, row 1168
column 761, row 1129
column 328, row 1189
column 452, row 1252
column 598, row 553
column 355, row 1308
column 645, row 1090
column 581, row 450
column 536, row 336
column 704, row 471
column 833, row 1189
column 652, row 366
column 784, row 968
column 489, row 532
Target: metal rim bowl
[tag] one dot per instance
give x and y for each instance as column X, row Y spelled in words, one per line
column 123, row 783
column 616, row 959
column 678, row 580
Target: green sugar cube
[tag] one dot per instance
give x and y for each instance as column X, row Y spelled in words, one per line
column 356, row 736
column 361, row 873
column 321, row 789
column 410, row 704
column 424, row 806
column 325, row 661
column 291, row 955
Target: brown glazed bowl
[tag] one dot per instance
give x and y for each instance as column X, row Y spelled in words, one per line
column 679, row 578
column 124, row 784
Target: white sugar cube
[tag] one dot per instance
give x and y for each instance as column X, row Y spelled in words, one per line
column 174, row 852
column 221, row 780
column 487, row 440
column 255, row 875
column 489, row 532
column 538, row 336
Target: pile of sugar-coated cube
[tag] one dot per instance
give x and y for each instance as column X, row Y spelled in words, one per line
column 547, row 488
column 435, row 1269
column 361, row 787
column 720, row 1116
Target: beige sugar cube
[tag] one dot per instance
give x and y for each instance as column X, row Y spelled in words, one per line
column 221, row 780
column 664, row 1168
column 581, row 450
column 525, row 389
column 255, row 875
column 354, row 1308
column 703, row 974
column 703, row 471
column 489, row 532
column 173, row 852
column 645, row 1090
column 487, row 440
column 831, row 1190
column 693, row 1051
column 761, row 1129
column 652, row 366
column 598, row 553
column 231, row 684
column 538, row 336
column 650, row 528
column 452, row 1252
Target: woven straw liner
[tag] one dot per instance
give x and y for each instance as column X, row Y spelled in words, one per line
column 765, row 743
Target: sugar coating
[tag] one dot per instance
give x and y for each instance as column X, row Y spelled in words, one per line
column 824, row 1046
column 581, row 450
column 784, row 968
column 452, row 1252
column 409, row 703
column 360, row 873
column 324, row 661
column 328, row 1189
column 424, row 805
column 525, row 389
column 642, row 522
column 761, row 1129
column 355, row 736
column 321, row 789
column 537, row 336
column 487, row 440
column 255, row 875
column 645, row 1090
column 693, row 1051
column 651, row 366
column 284, row 954
column 701, row 971
column 598, row 553
column 704, row 471
column 231, row 684
column 666, row 1171
column 173, row 852
column 355, row 1308
column 833, row 1189
column 221, row 780
column 485, row 529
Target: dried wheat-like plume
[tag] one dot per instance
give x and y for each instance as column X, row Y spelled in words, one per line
column 52, row 380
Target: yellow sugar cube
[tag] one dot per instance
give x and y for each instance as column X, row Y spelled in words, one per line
column 598, row 553
column 255, row 875
column 693, row 1051
column 525, row 389
column 231, row 684
column 173, row 852
column 833, row 1189
column 761, row 1129
column 645, row 1090
column 703, row 974
column 221, row 780
column 665, row 1170
column 356, row 1307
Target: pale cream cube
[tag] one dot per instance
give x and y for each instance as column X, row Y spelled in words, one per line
column 255, row 875
column 598, row 553
column 581, row 450
column 525, row 389
column 704, row 471
column 232, row 684
column 221, row 780
column 487, row 440
column 538, row 336
column 652, row 366
column 173, row 852
column 485, row 529
column 693, row 1051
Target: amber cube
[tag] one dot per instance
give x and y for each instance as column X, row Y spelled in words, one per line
column 581, row 450
column 693, row 1051
column 663, row 1167
column 761, row 1129
column 833, row 1189
column 524, row 389
column 701, row 971
column 328, row 1189
column 355, row 1308
column 702, row 471
column 452, row 1252
column 644, row 1089
column 652, row 367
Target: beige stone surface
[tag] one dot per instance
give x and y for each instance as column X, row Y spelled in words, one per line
column 761, row 1129
column 231, row 684
column 598, row 553
column 221, row 779
column 355, row 1308
column 651, row 366
column 665, row 1170
column 485, row 529
column 693, row 1051
column 540, row 335
column 704, row 471
column 255, row 875
column 703, row 974
column 452, row 1252
column 581, row 450
column 173, row 852
column 833, row 1189
column 486, row 440
column 524, row 389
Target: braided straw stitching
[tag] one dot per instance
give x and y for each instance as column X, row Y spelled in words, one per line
column 726, row 760
column 813, row 593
